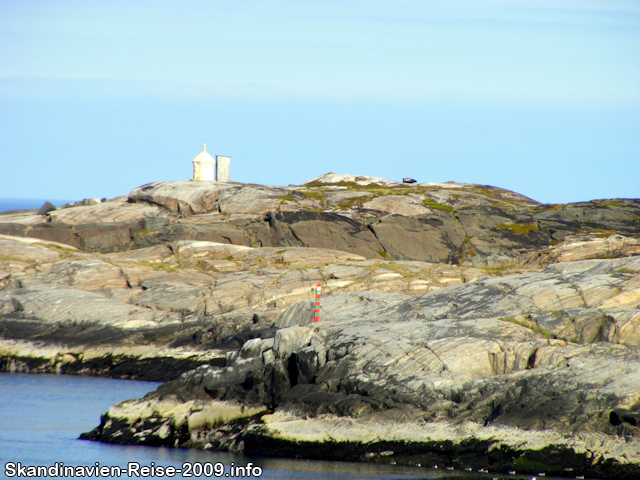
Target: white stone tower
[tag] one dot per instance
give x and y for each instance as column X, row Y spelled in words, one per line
column 204, row 166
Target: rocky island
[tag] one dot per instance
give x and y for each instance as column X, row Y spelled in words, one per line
column 463, row 326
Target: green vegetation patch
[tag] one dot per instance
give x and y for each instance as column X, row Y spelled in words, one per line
column 64, row 252
column 158, row 266
column 520, row 229
column 349, row 185
column 530, row 325
column 353, row 202
column 529, row 465
column 609, row 203
column 544, row 208
column 315, row 194
column 437, row 206
column 503, row 198
column 11, row 258
column 496, row 270
column 599, row 232
column 374, row 188
column 468, row 250
column 395, row 267
column 625, row 270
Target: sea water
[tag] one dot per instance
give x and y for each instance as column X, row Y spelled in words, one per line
column 25, row 203
column 42, row 416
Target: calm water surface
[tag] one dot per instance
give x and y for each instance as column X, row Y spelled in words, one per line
column 25, row 203
column 41, row 417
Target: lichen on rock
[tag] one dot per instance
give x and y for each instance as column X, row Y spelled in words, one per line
column 461, row 325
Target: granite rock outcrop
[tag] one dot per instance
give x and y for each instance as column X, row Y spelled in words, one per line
column 540, row 368
column 461, row 325
column 181, row 304
column 375, row 218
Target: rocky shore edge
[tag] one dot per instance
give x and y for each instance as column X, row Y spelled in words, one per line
column 475, row 454
column 533, row 373
column 462, row 326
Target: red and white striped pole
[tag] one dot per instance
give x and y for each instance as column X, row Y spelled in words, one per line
column 316, row 312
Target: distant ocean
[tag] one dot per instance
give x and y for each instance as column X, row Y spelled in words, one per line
column 26, row 203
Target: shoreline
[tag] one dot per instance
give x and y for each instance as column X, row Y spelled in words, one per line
column 455, row 318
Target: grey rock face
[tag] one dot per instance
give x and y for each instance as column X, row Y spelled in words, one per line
column 187, row 198
column 412, row 349
column 404, row 205
column 291, row 340
column 524, row 362
column 58, row 302
column 256, row 200
column 375, row 218
column 46, row 208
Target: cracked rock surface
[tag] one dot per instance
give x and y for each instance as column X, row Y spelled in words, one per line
column 197, row 298
column 461, row 325
column 538, row 361
column 375, row 218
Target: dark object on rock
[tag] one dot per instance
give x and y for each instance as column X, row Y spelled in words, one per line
column 619, row 415
column 409, row 180
column 46, row 208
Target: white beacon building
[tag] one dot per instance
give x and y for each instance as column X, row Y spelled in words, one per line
column 204, row 166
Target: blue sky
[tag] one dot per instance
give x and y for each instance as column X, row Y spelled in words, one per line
column 540, row 97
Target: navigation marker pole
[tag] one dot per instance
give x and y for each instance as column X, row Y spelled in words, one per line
column 316, row 312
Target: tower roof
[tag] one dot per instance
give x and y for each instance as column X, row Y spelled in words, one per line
column 203, row 156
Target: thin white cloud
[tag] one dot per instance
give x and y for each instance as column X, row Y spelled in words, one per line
column 530, row 51
column 59, row 88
